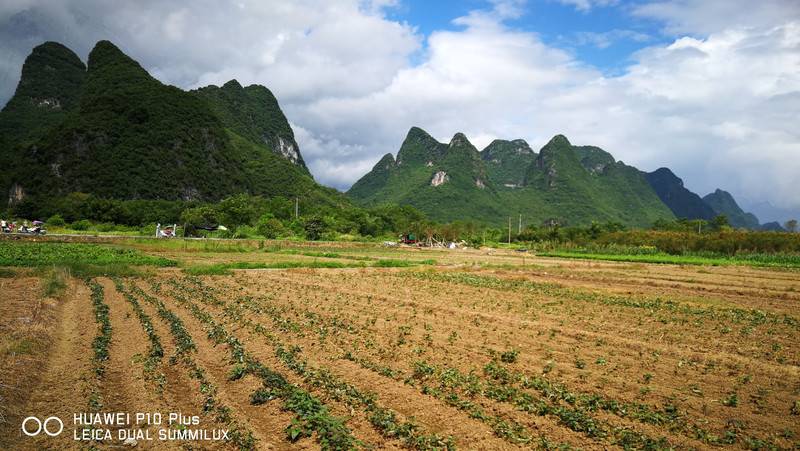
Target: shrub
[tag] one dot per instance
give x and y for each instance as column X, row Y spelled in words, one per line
column 56, row 221
column 83, row 224
column 270, row 227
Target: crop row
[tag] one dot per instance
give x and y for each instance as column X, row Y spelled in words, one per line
column 751, row 317
column 155, row 352
column 504, row 428
column 101, row 342
column 576, row 414
column 185, row 347
column 383, row 419
column 311, row 414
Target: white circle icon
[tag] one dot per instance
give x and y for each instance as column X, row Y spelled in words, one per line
column 25, row 429
column 46, row 426
column 60, row 426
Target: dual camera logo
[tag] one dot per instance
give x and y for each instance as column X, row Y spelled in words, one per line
column 52, row 426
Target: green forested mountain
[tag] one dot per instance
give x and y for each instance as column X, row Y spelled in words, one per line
column 723, row 204
column 253, row 113
column 566, row 183
column 114, row 131
column 683, row 203
column 446, row 181
column 506, row 161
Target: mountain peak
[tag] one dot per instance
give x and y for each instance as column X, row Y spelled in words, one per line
column 52, row 76
column 460, row 139
column 107, row 56
column 559, row 140
column 232, row 84
column 723, row 203
column 418, row 134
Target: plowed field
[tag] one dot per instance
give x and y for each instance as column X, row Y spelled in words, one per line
column 459, row 355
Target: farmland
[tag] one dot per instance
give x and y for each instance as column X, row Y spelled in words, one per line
column 356, row 346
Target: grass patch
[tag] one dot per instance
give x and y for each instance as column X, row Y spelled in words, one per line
column 225, row 268
column 21, row 346
column 759, row 260
column 53, row 253
column 54, row 282
column 220, row 269
column 7, row 273
column 319, row 254
column 395, row 263
column 210, row 246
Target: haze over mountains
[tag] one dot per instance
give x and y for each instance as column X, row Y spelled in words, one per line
column 110, row 129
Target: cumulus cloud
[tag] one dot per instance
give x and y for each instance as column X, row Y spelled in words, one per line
column 718, row 103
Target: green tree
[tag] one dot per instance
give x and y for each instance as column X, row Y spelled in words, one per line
column 238, row 210
column 314, row 227
column 720, row 222
column 196, row 216
column 270, row 227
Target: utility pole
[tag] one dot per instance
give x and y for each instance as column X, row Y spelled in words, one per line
column 519, row 229
column 296, row 207
column 509, row 230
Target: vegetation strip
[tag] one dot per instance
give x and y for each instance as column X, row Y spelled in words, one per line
column 239, row 434
column 756, row 260
column 100, row 343
column 383, row 419
column 225, row 268
column 312, row 414
column 155, row 353
column 753, row 317
column 54, row 253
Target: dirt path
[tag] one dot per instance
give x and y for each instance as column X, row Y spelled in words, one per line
column 63, row 387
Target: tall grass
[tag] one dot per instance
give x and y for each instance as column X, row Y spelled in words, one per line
column 54, row 281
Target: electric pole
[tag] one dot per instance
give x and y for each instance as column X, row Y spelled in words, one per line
column 509, row 230
column 519, row 229
column 296, row 207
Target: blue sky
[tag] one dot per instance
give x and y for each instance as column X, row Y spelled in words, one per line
column 601, row 36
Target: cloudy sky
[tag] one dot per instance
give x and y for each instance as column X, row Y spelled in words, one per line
column 709, row 88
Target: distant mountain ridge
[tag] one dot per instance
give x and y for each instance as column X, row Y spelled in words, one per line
column 682, row 202
column 109, row 128
column 563, row 183
column 724, row 204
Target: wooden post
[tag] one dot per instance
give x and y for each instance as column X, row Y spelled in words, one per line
column 509, row 230
column 296, row 207
column 519, row 229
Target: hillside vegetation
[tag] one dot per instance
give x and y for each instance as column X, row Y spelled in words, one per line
column 563, row 183
column 114, row 131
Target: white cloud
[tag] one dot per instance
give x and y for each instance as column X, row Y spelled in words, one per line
column 711, row 16
column 718, row 104
column 586, row 5
column 606, row 39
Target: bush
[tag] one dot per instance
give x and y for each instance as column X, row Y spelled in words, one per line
column 56, row 221
column 83, row 224
column 270, row 227
column 314, row 227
